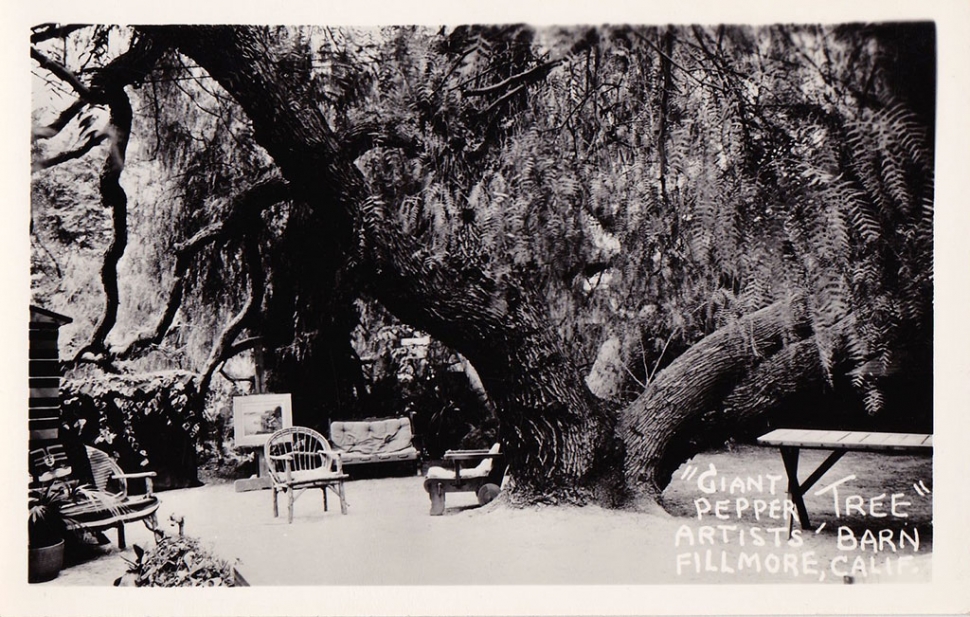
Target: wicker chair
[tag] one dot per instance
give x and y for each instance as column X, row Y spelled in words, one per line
column 299, row 458
column 109, row 478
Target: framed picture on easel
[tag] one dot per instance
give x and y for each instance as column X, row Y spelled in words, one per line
column 257, row 416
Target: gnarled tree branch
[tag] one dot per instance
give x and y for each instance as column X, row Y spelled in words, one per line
column 45, row 32
column 242, row 218
column 653, row 426
column 69, row 155
column 109, row 87
column 529, row 76
column 55, row 127
column 224, row 348
column 795, row 368
column 65, row 75
column 113, row 197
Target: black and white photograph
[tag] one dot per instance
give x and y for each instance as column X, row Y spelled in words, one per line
column 613, row 307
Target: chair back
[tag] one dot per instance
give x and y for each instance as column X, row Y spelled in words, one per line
column 484, row 468
column 307, row 452
column 107, row 474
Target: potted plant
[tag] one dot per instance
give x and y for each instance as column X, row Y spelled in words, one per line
column 51, row 521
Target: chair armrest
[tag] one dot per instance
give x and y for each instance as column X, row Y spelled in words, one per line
column 130, row 476
column 145, row 475
column 287, row 464
column 339, row 467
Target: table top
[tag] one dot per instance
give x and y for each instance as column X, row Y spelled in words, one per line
column 870, row 441
column 465, row 455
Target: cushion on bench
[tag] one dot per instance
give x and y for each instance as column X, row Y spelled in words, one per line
column 373, row 441
column 481, row 470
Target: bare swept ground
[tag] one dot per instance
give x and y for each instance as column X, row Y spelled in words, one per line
column 388, row 538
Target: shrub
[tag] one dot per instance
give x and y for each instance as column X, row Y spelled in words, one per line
column 177, row 561
column 147, row 421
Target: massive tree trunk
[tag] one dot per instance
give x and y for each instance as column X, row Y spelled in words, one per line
column 559, row 441
column 308, row 320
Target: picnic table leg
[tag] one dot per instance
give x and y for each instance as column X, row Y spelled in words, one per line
column 798, row 489
column 795, row 491
column 817, row 474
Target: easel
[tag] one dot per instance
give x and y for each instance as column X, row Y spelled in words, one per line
column 259, row 481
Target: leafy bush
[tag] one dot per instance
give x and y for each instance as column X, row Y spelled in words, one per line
column 177, row 561
column 148, row 421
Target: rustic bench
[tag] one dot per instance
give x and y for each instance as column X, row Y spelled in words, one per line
column 791, row 440
column 482, row 475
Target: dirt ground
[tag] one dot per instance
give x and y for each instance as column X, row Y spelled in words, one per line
column 723, row 523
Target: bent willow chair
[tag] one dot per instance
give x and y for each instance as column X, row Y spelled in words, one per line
column 299, row 458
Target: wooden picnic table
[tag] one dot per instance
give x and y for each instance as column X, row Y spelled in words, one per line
column 792, row 440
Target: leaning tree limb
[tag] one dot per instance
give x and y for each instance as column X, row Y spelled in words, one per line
column 62, row 120
column 655, row 426
column 70, row 155
column 795, row 368
column 221, row 350
column 64, row 74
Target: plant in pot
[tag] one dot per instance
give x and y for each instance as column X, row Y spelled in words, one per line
column 52, row 520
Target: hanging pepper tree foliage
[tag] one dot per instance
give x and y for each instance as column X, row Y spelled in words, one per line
column 699, row 223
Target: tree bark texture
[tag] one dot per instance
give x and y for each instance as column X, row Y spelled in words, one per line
column 796, row 367
column 657, row 428
column 558, row 440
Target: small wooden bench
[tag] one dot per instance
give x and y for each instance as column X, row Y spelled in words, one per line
column 484, row 477
column 791, row 440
